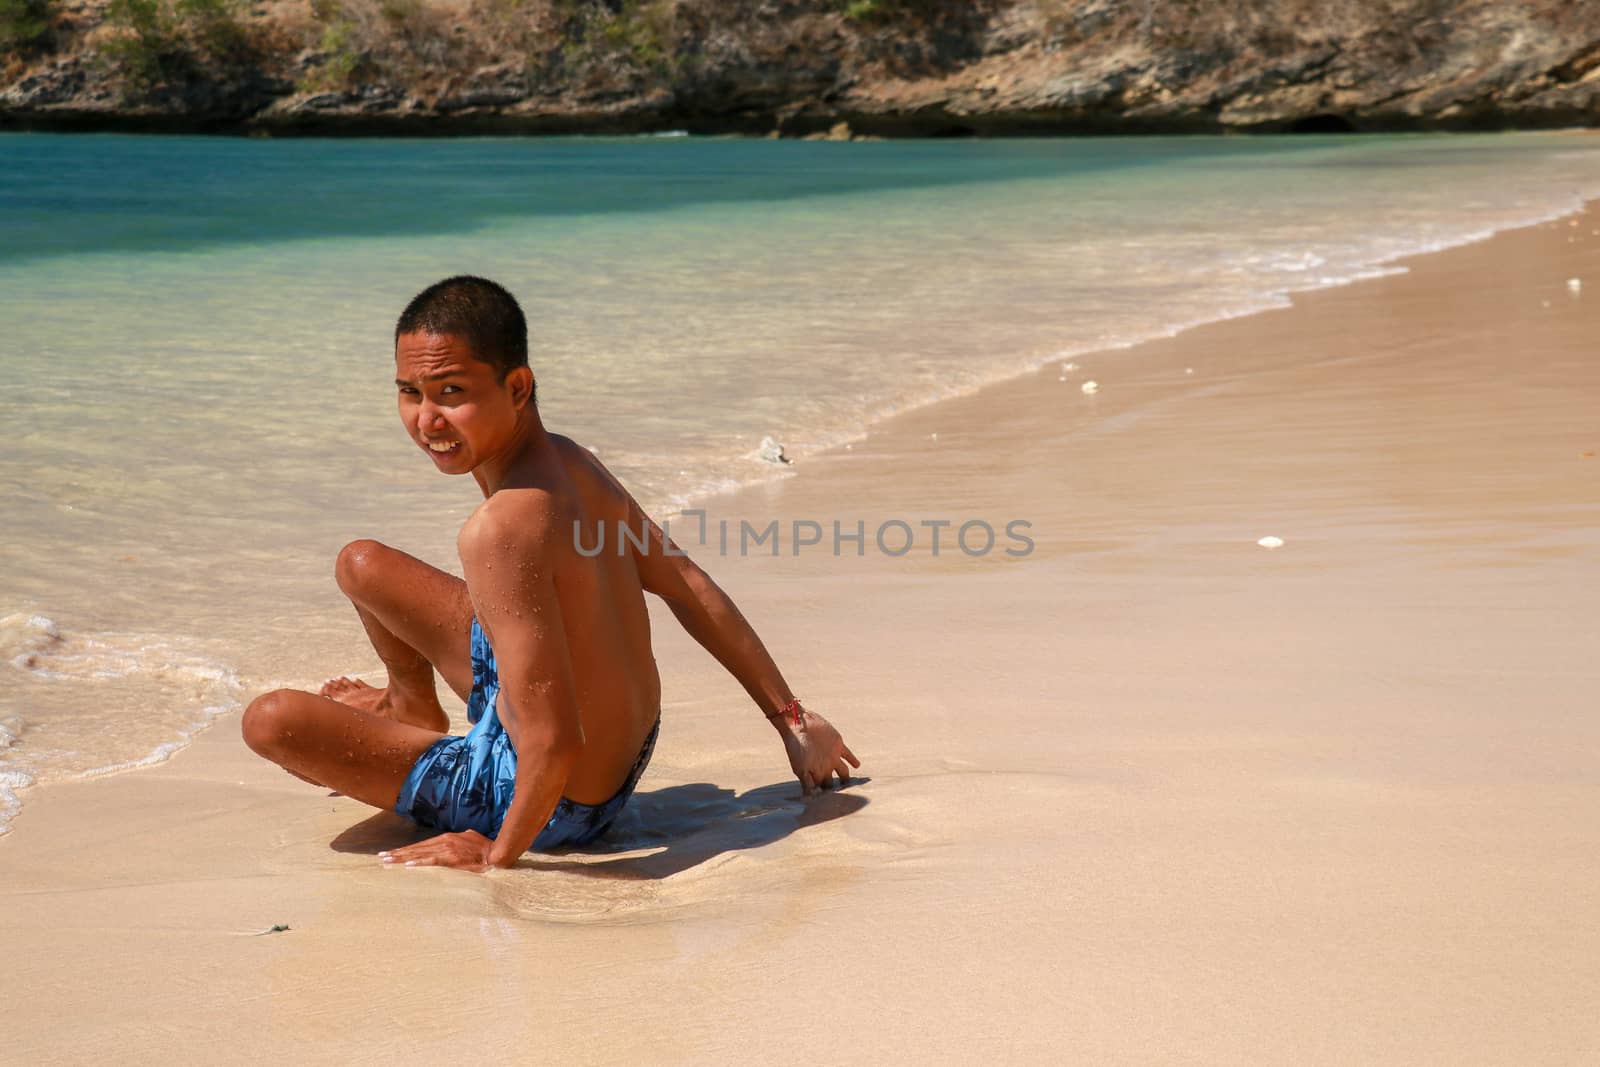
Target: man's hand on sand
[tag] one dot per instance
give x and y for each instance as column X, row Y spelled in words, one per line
column 467, row 851
column 817, row 753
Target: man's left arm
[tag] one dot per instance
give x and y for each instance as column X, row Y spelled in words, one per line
column 510, row 573
column 507, row 560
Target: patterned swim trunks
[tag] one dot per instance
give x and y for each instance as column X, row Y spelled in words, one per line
column 465, row 783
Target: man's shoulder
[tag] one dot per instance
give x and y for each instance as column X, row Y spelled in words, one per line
column 602, row 494
column 512, row 521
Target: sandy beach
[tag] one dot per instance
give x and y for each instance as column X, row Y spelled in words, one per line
column 1151, row 793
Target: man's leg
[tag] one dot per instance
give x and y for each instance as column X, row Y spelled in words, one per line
column 418, row 619
column 362, row 755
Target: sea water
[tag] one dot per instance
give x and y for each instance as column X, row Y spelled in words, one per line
column 196, row 334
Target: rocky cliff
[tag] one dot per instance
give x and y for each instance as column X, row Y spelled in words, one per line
column 798, row 67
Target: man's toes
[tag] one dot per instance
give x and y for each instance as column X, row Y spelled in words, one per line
column 342, row 688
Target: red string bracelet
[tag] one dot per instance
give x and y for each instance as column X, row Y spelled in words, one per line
column 791, row 709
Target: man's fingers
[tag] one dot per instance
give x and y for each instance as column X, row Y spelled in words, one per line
column 851, row 756
column 843, row 771
column 408, row 853
column 807, row 784
column 411, row 856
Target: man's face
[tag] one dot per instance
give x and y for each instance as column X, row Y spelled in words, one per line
column 450, row 401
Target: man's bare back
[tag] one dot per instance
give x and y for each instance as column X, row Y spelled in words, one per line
column 549, row 645
column 601, row 597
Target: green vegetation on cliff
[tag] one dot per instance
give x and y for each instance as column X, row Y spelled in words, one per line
column 161, row 40
column 24, row 27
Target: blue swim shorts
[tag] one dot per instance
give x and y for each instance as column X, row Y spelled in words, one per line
column 465, row 783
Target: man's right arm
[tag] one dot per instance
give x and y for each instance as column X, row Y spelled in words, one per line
column 816, row 751
column 709, row 615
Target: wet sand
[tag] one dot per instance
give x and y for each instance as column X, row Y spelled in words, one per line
column 1150, row 794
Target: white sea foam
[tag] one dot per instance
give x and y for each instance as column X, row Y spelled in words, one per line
column 10, row 780
column 75, row 694
column 24, row 637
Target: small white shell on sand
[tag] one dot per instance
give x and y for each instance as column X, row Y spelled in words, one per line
column 1188, row 370
column 1068, row 368
column 1091, row 387
column 935, row 436
column 1270, row 542
column 1574, row 285
column 772, row 451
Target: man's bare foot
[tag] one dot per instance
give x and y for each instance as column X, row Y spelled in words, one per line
column 363, row 697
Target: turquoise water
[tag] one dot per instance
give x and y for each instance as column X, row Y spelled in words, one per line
column 65, row 196
column 197, row 335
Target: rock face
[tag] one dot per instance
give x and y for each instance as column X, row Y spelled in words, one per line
column 802, row 67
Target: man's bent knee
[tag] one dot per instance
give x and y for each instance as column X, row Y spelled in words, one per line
column 268, row 724
column 357, row 564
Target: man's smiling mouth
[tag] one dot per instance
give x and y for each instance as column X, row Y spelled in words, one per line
column 441, row 446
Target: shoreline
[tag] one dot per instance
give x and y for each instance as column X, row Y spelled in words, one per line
column 1152, row 793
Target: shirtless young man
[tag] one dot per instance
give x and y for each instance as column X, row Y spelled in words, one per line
column 549, row 646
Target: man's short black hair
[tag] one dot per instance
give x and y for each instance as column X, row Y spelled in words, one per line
column 476, row 310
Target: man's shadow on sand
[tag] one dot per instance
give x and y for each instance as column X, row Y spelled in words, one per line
column 685, row 825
